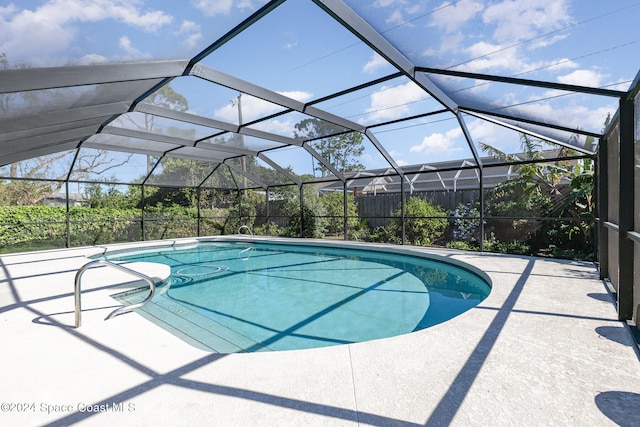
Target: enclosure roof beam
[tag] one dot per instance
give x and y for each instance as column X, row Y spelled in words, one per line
column 324, row 161
column 498, row 116
column 26, row 79
column 242, row 86
column 270, row 136
column 215, row 168
column 383, row 152
column 223, row 79
column 124, row 149
column 246, row 174
column 49, row 139
column 149, row 136
column 31, row 153
column 155, row 137
column 63, row 116
column 178, row 155
column 528, row 132
column 212, row 123
column 26, row 134
column 279, row 168
column 525, row 82
column 469, row 138
column 184, row 117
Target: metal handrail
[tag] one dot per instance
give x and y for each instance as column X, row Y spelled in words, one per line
column 247, row 227
column 250, row 250
column 120, row 310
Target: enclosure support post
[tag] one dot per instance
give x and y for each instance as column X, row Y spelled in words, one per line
column 402, row 207
column 481, row 175
column 144, row 233
column 346, row 207
column 267, row 212
column 602, row 200
column 301, row 210
column 626, row 208
column 198, row 191
column 68, row 216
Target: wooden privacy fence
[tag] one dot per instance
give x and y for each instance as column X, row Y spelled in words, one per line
column 377, row 208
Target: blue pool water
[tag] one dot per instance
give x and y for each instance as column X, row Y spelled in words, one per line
column 241, row 297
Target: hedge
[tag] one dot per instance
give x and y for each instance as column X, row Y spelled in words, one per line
column 40, row 227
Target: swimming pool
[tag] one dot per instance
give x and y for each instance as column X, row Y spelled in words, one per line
column 245, row 296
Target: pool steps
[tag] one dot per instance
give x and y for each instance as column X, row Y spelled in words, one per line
column 193, row 327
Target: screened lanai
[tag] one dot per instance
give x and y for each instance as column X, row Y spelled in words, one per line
column 240, row 112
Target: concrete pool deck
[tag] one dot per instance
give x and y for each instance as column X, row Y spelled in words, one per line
column 545, row 348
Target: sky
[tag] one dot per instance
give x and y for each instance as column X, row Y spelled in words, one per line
column 299, row 51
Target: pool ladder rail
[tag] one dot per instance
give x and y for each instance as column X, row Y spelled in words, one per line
column 120, row 310
column 245, row 227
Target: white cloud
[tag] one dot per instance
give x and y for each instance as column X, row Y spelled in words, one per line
column 438, row 143
column 620, row 84
column 193, row 40
column 375, row 63
column 490, row 35
column 188, row 27
column 496, row 136
column 67, row 11
column 298, row 95
column 395, row 18
column 191, row 31
column 278, row 127
column 451, row 42
column 92, row 59
column 493, row 57
column 392, row 102
column 56, row 22
column 214, row 7
column 573, row 116
column 546, row 41
column 290, row 40
column 131, row 52
column 385, row 3
column 125, row 44
column 224, row 7
column 562, row 63
column 583, row 78
column 517, row 20
column 451, row 17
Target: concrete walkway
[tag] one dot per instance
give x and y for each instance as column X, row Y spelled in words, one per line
column 544, row 348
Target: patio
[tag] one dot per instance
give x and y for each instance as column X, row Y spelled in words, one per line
column 545, row 348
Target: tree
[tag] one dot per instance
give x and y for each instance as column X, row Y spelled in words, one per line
column 556, row 188
column 336, row 144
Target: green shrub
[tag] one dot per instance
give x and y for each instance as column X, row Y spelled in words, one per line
column 313, row 217
column 334, row 206
column 242, row 212
column 424, row 222
column 462, row 245
column 512, row 247
column 24, row 224
column 361, row 232
column 386, row 234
